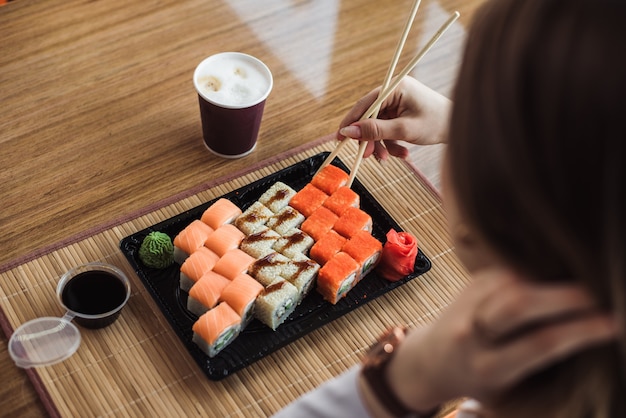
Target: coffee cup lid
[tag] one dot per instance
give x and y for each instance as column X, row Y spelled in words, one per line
column 43, row 341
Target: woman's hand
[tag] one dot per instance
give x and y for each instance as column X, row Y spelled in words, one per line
column 500, row 330
column 413, row 113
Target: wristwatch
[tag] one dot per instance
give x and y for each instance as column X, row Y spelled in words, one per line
column 375, row 364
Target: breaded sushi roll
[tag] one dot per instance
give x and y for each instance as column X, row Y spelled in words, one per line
column 301, row 272
column 330, row 178
column 276, row 302
column 277, row 196
column 326, row 247
column 337, row 277
column 192, row 237
column 260, row 243
column 308, row 199
column 286, row 219
column 294, row 242
column 269, row 268
column 241, row 294
column 225, row 238
column 253, row 218
column 195, row 266
column 342, row 199
column 319, row 223
column 221, row 212
column 216, row 328
column 205, row 293
column 365, row 250
column 351, row 221
column 233, row 263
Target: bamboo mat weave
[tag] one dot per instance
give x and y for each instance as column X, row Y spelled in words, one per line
column 139, row 367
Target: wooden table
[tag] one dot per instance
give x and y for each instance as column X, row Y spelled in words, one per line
column 100, row 118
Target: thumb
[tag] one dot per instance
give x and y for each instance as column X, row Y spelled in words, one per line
column 376, row 130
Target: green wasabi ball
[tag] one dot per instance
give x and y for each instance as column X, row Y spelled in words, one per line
column 157, row 250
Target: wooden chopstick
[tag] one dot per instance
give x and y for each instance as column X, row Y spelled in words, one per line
column 374, row 107
column 385, row 85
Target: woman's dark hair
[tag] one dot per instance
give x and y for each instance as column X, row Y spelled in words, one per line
column 538, row 162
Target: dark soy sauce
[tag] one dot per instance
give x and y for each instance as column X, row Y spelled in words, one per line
column 93, row 293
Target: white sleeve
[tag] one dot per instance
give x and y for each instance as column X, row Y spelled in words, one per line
column 338, row 397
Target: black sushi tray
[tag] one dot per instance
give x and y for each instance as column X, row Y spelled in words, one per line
column 258, row 340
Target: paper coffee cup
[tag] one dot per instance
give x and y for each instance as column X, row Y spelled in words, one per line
column 232, row 89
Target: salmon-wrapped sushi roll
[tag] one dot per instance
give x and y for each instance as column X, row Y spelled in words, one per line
column 190, row 239
column 195, row 266
column 326, row 247
column 342, row 199
column 301, row 272
column 319, row 223
column 205, row 293
column 225, row 238
column 260, row 243
column 351, row 221
column 269, row 268
column 216, row 328
column 365, row 250
column 253, row 218
column 240, row 294
column 221, row 212
column 330, row 178
column 276, row 302
column 277, row 196
column 294, row 242
column 287, row 218
column 308, row 199
column 233, row 263
column 337, row 277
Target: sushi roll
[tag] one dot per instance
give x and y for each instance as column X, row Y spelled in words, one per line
column 337, row 277
column 301, row 272
column 276, row 302
column 205, row 293
column 260, row 243
column 293, row 243
column 253, row 218
column 277, row 196
column 286, row 219
column 319, row 223
column 221, row 212
column 326, row 247
column 269, row 268
column 190, row 239
column 342, row 199
column 216, row 328
column 233, row 263
column 351, row 221
column 225, row 238
column 241, row 294
column 365, row 250
column 308, row 199
column 195, row 266
column 330, row 178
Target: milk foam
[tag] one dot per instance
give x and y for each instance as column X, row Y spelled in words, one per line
column 233, row 80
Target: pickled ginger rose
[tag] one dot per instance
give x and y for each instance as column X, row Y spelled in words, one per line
column 398, row 258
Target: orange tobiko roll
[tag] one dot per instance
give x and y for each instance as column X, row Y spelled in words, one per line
column 308, row 199
column 319, row 223
column 326, row 247
column 351, row 221
column 330, row 178
column 365, row 249
column 337, row 277
column 342, row 199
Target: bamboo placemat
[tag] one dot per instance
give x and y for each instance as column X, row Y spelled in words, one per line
column 139, row 367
